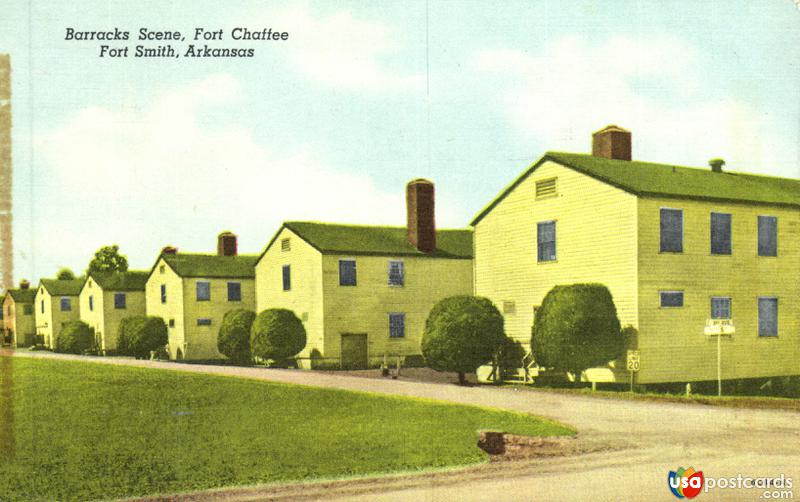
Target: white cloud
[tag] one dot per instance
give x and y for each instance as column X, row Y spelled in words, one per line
column 144, row 178
column 345, row 51
column 657, row 88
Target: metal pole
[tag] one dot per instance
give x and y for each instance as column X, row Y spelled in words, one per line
column 719, row 363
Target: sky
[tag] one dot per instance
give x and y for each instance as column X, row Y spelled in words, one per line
column 364, row 96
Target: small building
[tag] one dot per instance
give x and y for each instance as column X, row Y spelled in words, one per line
column 364, row 292
column 108, row 297
column 193, row 292
column 19, row 325
column 677, row 247
column 56, row 303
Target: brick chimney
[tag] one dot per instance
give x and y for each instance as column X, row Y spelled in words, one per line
column 226, row 244
column 420, row 212
column 169, row 250
column 24, row 284
column 612, row 142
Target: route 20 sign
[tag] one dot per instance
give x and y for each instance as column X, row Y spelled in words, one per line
column 633, row 360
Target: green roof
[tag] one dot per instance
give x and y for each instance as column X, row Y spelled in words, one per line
column 133, row 280
column 332, row 238
column 211, row 265
column 650, row 179
column 63, row 288
column 22, row 295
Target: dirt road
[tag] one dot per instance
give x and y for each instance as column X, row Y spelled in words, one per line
column 649, row 439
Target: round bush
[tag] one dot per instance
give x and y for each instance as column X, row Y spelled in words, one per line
column 462, row 333
column 233, row 339
column 75, row 337
column 139, row 335
column 277, row 334
column 577, row 328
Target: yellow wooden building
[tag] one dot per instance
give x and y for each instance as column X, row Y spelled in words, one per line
column 364, row 292
column 676, row 246
column 55, row 304
column 18, row 319
column 107, row 298
column 193, row 292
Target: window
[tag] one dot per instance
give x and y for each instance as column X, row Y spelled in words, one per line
column 720, row 233
column 203, row 291
column 204, row 321
column 671, row 230
column 91, row 303
column 120, row 300
column 162, row 269
column 767, row 236
column 767, row 316
column 286, row 245
column 671, row 298
column 42, row 307
column 545, row 188
column 509, row 307
column 234, row 291
column 172, row 323
column 287, row 277
column 396, row 273
column 163, row 293
column 397, row 325
column 27, row 309
column 66, row 304
column 546, row 241
column 347, row 272
column 720, row 307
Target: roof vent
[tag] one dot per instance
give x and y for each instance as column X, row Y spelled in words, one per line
column 612, row 142
column 169, row 250
column 716, row 165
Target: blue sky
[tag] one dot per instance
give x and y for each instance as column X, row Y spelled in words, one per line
column 363, row 97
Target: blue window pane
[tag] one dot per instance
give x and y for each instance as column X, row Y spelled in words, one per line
column 767, row 317
column 767, row 236
column 91, row 303
column 347, row 272
column 546, row 241
column 672, row 298
column 204, row 322
column 671, row 230
column 120, row 300
column 287, row 277
column 396, row 273
column 720, row 308
column 234, row 291
column 203, row 291
column 66, row 304
column 720, row 233
column 397, row 325
column 163, row 293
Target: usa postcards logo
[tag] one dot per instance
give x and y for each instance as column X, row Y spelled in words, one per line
column 685, row 483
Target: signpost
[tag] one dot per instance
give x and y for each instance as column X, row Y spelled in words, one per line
column 719, row 328
column 633, row 364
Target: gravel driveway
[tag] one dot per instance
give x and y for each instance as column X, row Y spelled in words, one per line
column 648, row 439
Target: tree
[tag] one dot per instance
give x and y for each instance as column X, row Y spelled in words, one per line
column 462, row 333
column 75, row 337
column 577, row 328
column 509, row 357
column 108, row 259
column 140, row 335
column 233, row 339
column 65, row 274
column 277, row 334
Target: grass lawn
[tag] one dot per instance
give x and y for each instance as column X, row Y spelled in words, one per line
column 80, row 431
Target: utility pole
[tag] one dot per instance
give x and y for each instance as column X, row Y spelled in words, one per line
column 6, row 238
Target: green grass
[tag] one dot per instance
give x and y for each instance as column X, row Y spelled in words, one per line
column 85, row 431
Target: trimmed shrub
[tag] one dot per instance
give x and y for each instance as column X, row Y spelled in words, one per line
column 462, row 333
column 577, row 328
column 75, row 337
column 277, row 334
column 233, row 338
column 509, row 357
column 139, row 335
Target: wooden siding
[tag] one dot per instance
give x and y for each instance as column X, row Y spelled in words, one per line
column 105, row 318
column 673, row 346
column 173, row 309
column 14, row 319
column 49, row 323
column 305, row 296
column 595, row 242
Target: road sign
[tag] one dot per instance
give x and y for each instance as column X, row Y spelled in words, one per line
column 634, row 360
column 719, row 327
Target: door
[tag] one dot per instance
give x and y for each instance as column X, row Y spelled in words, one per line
column 354, row 351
